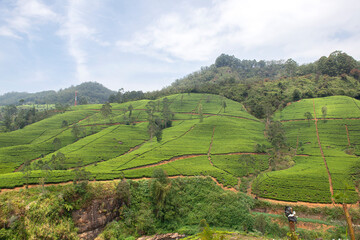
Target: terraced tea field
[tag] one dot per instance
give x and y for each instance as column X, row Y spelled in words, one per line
column 222, row 146
column 111, row 148
column 324, row 169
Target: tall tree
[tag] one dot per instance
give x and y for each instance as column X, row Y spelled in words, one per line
column 152, row 126
column 290, row 67
column 106, row 109
column 130, row 109
column 26, row 170
column 308, row 116
column 324, row 112
column 224, row 105
column 276, row 135
column 160, row 187
column 166, row 113
column 200, row 112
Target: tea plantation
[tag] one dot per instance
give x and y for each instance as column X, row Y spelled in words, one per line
column 210, row 136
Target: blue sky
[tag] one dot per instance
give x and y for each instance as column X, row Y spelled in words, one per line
column 147, row 44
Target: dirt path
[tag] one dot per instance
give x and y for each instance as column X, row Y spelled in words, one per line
column 347, row 134
column 307, row 204
column 239, row 153
column 129, row 151
column 165, row 161
column 323, row 156
column 315, row 119
column 21, row 166
column 222, row 186
column 109, row 124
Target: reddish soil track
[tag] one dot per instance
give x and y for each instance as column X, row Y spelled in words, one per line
column 239, row 153
column 222, row 186
column 165, row 161
column 109, row 124
column 130, row 150
column 323, row 156
column 315, row 119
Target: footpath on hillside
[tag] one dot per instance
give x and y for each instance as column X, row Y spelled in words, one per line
column 323, row 156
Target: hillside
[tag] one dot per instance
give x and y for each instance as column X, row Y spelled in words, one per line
column 88, row 92
column 217, row 141
column 266, row 86
column 108, row 147
column 327, row 152
column 210, row 136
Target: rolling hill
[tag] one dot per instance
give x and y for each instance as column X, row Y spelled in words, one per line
column 218, row 141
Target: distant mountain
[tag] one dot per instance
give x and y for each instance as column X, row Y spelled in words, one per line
column 88, row 92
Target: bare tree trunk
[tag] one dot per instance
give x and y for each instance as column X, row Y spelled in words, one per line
column 349, row 223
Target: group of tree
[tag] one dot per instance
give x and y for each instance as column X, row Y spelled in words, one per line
column 14, row 118
column 159, row 117
column 265, row 86
column 121, row 96
column 88, row 92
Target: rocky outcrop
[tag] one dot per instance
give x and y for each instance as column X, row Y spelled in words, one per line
column 92, row 219
column 166, row 236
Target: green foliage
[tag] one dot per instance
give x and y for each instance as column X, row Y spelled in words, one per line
column 92, row 92
column 160, row 187
column 336, row 64
column 123, row 192
column 106, row 110
column 276, row 135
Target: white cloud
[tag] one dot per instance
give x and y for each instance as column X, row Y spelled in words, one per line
column 24, row 17
column 78, row 32
column 288, row 27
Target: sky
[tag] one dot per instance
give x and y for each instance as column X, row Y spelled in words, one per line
column 148, row 44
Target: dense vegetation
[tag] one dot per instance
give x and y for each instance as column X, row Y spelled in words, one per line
column 184, row 205
column 88, row 92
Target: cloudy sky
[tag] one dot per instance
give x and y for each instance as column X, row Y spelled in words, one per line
column 147, row 44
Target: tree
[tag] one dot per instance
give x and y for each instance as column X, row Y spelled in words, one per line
column 355, row 73
column 224, row 105
column 26, row 170
column 200, row 112
column 160, row 187
column 336, row 64
column 21, row 101
column 123, row 192
column 296, row 95
column 166, row 113
column 130, row 109
column 57, row 161
column 81, row 177
column 56, row 143
column 45, row 170
column 324, row 112
column 290, row 67
column 77, row 131
column 308, row 116
column 150, row 110
column 64, row 123
column 276, row 135
column 106, row 110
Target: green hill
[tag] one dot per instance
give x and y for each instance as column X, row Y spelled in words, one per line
column 338, row 135
column 210, row 136
column 88, row 92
